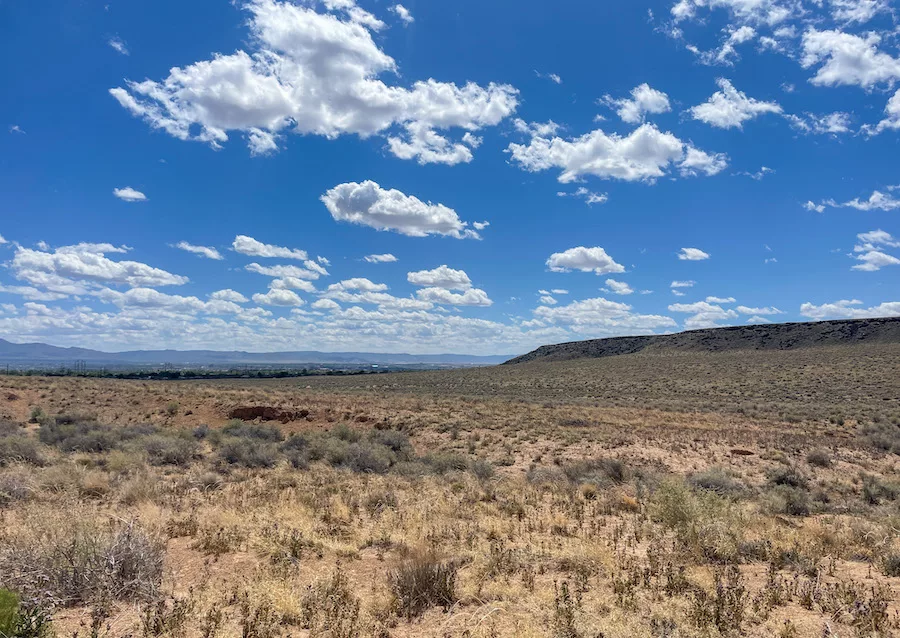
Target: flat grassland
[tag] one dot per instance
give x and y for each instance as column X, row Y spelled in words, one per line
column 667, row 494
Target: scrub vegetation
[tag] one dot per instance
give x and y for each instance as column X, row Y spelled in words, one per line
column 726, row 494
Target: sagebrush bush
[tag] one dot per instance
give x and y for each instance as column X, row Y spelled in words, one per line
column 167, row 449
column 368, row 457
column 705, row 524
column 717, row 480
column 344, row 432
column 249, row 453
column 443, row 462
column 9, row 428
column 397, row 441
column 881, row 436
column 482, row 469
column 819, row 458
column 239, row 429
column 600, row 471
column 72, row 433
column 787, row 499
column 15, row 487
column 787, row 476
column 890, row 565
column 874, row 490
column 20, row 448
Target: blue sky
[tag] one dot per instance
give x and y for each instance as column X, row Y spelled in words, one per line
column 215, row 174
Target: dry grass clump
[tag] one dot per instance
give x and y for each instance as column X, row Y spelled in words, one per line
column 422, row 581
column 66, row 560
column 330, row 608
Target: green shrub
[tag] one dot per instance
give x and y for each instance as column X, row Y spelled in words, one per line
column 239, row 429
column 334, row 451
column 362, row 457
column 78, row 436
column 250, row 453
column 299, row 459
column 9, row 613
column 874, row 490
column 890, row 565
column 443, row 462
column 718, row 481
column 597, row 471
column 819, row 458
column 881, row 436
column 790, row 500
column 788, row 477
column 20, row 448
column 9, row 428
column 482, row 469
column 344, row 432
column 73, row 433
column 295, row 442
column 167, row 449
column 397, row 441
column 705, row 524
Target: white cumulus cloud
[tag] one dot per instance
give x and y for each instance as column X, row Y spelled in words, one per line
column 599, row 316
column 768, row 310
column 848, row 59
column 228, row 295
column 645, row 154
column 892, row 121
column 128, row 194
column 73, row 269
column 403, row 13
column 251, row 247
column 370, row 205
column 692, row 254
column 644, row 99
column 357, row 283
column 730, row 108
column 443, row 296
column 440, row 277
column 382, row 258
column 849, row 309
column 282, row 271
column 278, row 297
column 203, row 251
column 584, row 259
column 118, row 45
column 315, row 73
column 618, row 287
column 703, row 314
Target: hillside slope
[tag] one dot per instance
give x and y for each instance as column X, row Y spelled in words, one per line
column 781, row 336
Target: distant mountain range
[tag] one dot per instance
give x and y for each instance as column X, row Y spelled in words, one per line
column 775, row 336
column 778, row 336
column 44, row 354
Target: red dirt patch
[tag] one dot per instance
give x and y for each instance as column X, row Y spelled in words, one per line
column 266, row 413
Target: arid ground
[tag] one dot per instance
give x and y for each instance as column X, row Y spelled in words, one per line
column 680, row 494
